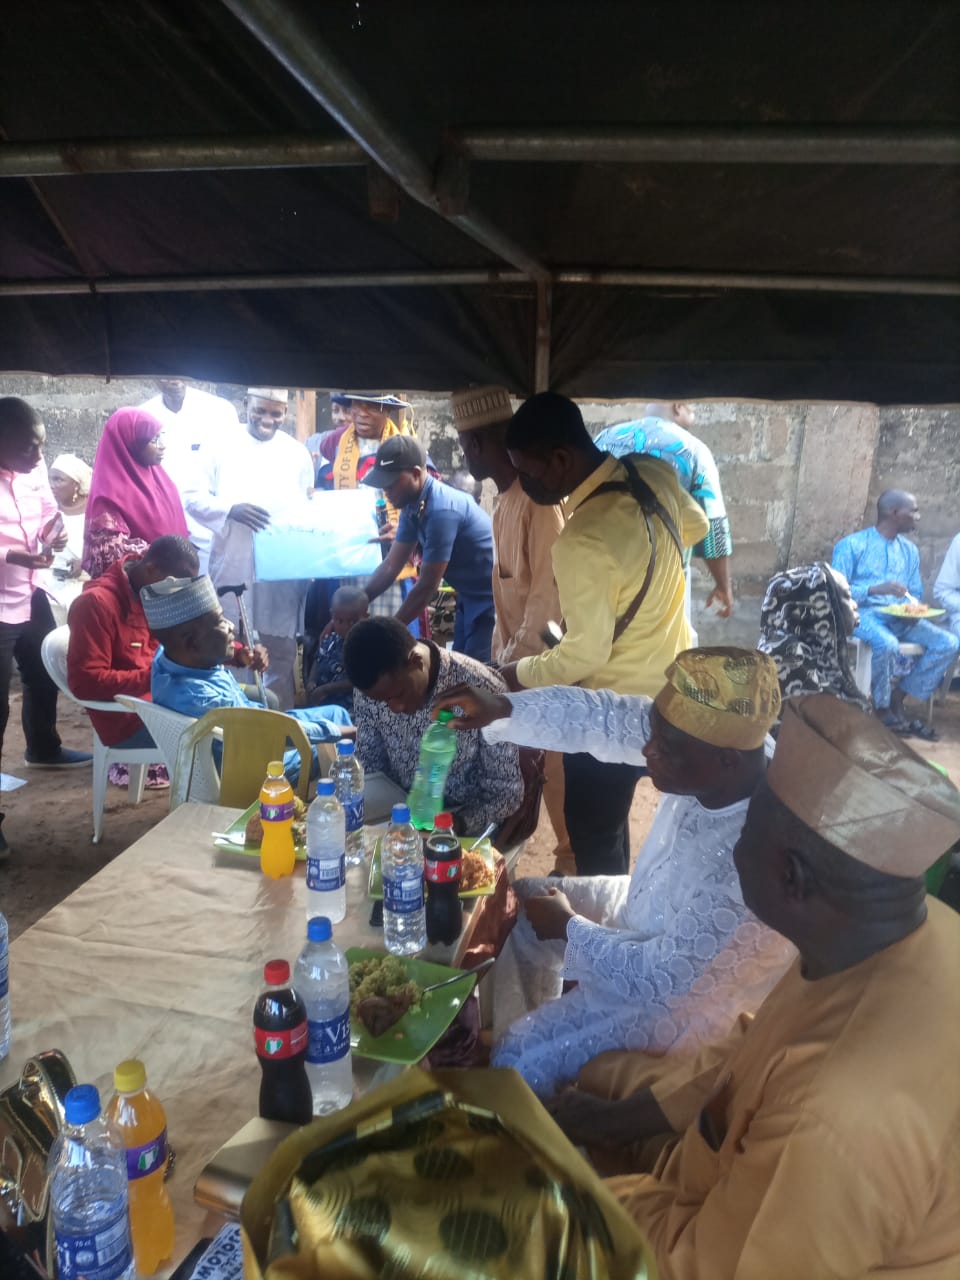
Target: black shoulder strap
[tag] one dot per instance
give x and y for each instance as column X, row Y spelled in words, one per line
column 650, row 505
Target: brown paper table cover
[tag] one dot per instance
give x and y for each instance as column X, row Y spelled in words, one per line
column 160, row 956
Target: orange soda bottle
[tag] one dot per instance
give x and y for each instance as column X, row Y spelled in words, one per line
column 277, row 854
column 138, row 1117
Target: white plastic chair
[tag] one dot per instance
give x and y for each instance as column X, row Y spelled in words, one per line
column 53, row 651
column 168, row 729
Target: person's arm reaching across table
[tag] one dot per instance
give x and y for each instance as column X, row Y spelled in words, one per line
column 613, row 727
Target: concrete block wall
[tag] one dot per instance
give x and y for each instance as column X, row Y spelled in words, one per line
column 796, row 476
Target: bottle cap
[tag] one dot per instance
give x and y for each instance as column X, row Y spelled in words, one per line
column 443, row 822
column 319, row 929
column 275, row 769
column 444, row 717
column 345, row 748
column 129, row 1076
column 276, row 973
column 325, row 787
column 82, row 1104
column 401, row 813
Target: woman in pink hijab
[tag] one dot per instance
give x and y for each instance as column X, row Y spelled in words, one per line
column 132, row 499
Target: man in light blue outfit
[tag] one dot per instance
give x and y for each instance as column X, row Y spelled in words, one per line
column 189, row 675
column 883, row 569
column 664, row 433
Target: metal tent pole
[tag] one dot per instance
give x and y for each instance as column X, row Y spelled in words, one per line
column 297, row 47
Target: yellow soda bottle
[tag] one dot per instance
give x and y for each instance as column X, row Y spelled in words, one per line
column 277, row 854
column 138, row 1117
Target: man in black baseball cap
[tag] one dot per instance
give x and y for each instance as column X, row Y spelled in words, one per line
column 456, row 540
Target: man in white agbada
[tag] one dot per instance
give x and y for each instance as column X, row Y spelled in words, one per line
column 193, row 420
column 666, row 958
column 262, row 474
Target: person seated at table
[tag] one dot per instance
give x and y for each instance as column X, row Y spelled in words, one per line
column 883, row 569
column 396, row 677
column 189, row 674
column 820, row 1138
column 328, row 681
column 111, row 650
column 666, row 958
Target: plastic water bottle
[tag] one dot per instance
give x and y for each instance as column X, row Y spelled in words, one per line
column 277, row 853
column 326, row 868
column 347, row 774
column 437, row 749
column 322, row 981
column 137, row 1115
column 6, row 1029
column 401, row 862
column 88, row 1194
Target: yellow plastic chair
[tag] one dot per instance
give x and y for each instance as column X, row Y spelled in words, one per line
column 252, row 737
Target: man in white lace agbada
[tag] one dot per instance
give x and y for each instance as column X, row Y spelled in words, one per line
column 666, row 958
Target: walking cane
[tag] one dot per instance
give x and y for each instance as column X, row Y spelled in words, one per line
column 249, row 636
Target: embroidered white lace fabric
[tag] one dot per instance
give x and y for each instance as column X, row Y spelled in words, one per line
column 611, row 726
column 666, row 958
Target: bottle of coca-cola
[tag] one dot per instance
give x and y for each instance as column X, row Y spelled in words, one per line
column 281, row 1035
column 442, row 865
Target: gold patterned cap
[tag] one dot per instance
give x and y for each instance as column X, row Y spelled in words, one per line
column 724, row 696
column 481, row 407
column 861, row 788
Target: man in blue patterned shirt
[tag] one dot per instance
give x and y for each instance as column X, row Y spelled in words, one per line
column 665, row 433
column 883, row 569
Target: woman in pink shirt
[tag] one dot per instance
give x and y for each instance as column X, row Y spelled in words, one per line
column 31, row 530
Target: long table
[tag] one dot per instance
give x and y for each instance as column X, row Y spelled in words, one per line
column 160, row 956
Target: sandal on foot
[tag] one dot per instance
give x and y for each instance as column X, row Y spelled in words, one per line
column 896, row 725
column 920, row 730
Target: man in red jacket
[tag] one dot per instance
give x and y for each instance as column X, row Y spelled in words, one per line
column 111, row 648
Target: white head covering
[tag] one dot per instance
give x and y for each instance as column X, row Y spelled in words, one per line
column 269, row 393
column 481, row 407
column 860, row 787
column 70, row 465
column 176, row 600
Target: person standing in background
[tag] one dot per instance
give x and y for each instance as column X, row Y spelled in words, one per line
column 618, row 568
column 262, row 474
column 191, row 419
column 946, row 589
column 667, row 432
column 31, row 530
column 132, row 499
column 70, row 479
column 456, row 539
column 525, row 596
column 370, row 421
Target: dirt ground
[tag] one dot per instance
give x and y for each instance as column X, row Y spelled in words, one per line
column 49, row 822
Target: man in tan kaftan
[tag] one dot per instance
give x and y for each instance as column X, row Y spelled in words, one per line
column 821, row 1141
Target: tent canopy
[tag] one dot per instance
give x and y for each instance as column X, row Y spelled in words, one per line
column 757, row 199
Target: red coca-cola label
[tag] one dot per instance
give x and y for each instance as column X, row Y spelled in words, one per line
column 442, row 872
column 281, row 1044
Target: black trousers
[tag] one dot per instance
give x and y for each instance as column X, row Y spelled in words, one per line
column 20, row 642
column 596, row 805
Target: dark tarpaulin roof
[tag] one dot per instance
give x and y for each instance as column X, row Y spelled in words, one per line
column 95, row 69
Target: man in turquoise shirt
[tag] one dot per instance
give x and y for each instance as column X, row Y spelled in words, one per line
column 189, row 675
column 883, row 569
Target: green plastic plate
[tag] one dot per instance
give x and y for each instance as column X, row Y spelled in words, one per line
column 375, row 881
column 238, row 826
column 408, row 1040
